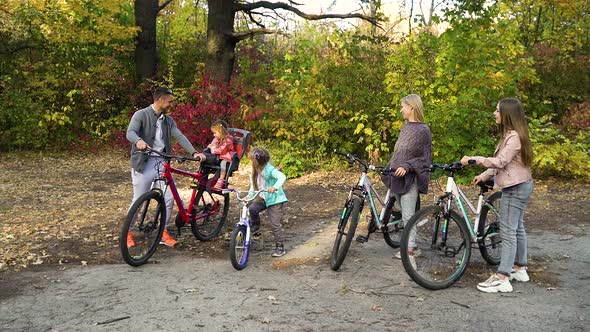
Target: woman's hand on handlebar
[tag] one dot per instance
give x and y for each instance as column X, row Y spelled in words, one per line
column 271, row 189
column 399, row 172
column 477, row 179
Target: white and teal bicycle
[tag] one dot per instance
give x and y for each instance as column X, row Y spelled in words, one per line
column 443, row 235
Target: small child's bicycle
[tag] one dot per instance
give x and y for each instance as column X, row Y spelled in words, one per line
column 239, row 244
column 146, row 219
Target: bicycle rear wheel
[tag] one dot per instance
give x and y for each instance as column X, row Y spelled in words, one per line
column 346, row 229
column 442, row 248
column 145, row 224
column 238, row 251
column 490, row 244
column 393, row 230
column 210, row 214
column 392, row 233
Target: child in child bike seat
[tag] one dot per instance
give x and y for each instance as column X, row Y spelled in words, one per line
column 219, row 151
column 266, row 176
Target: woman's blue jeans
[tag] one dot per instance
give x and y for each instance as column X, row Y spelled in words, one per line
column 514, row 242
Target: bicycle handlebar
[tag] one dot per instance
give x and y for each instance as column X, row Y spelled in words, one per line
column 244, row 199
column 455, row 166
column 180, row 159
column 368, row 167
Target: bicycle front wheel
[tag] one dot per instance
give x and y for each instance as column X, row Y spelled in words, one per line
column 490, row 244
column 210, row 214
column 441, row 247
column 346, row 229
column 143, row 228
column 238, row 251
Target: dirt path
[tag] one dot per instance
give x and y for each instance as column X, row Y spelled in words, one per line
column 67, row 210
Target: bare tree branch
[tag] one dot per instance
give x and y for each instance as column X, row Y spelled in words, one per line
column 285, row 6
column 162, row 6
column 237, row 36
column 254, row 20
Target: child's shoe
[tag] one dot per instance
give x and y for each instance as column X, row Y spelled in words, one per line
column 255, row 230
column 279, row 250
column 219, row 185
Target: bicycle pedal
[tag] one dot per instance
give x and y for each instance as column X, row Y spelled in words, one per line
column 362, row 239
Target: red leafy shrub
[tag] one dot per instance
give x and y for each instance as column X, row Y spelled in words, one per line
column 207, row 102
column 577, row 117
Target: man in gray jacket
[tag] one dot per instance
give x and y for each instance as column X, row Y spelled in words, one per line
column 152, row 128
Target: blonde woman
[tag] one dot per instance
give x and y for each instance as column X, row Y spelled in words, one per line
column 511, row 166
column 412, row 155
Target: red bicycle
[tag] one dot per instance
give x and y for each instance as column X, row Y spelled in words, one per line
column 146, row 219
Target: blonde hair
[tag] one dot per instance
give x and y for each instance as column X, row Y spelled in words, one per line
column 415, row 102
column 220, row 129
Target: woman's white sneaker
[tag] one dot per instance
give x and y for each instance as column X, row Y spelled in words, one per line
column 520, row 275
column 494, row 284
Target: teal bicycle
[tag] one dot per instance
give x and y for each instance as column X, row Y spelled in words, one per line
column 437, row 241
column 387, row 220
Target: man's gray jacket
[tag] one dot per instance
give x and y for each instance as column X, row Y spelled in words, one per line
column 143, row 126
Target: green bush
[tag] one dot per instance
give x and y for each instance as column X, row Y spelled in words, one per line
column 557, row 155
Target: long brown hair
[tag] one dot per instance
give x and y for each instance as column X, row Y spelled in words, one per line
column 259, row 157
column 512, row 118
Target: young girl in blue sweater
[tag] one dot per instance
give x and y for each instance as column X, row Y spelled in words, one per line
column 266, row 176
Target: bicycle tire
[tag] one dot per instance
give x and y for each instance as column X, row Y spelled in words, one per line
column 238, row 251
column 393, row 230
column 394, row 227
column 146, row 232
column 217, row 206
column 436, row 264
column 488, row 230
column 350, row 218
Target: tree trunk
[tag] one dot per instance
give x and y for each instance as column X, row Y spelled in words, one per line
column 146, row 57
column 220, row 56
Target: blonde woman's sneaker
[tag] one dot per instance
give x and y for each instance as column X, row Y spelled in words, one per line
column 520, row 275
column 494, row 284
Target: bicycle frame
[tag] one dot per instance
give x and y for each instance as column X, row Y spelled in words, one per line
column 455, row 194
column 168, row 179
column 365, row 185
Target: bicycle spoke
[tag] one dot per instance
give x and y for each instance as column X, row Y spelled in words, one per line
column 440, row 246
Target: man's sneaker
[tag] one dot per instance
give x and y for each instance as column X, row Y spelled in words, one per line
column 219, row 185
column 494, row 284
column 130, row 242
column 279, row 250
column 167, row 240
column 520, row 275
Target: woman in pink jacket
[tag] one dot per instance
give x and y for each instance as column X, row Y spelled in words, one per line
column 219, row 151
column 511, row 167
